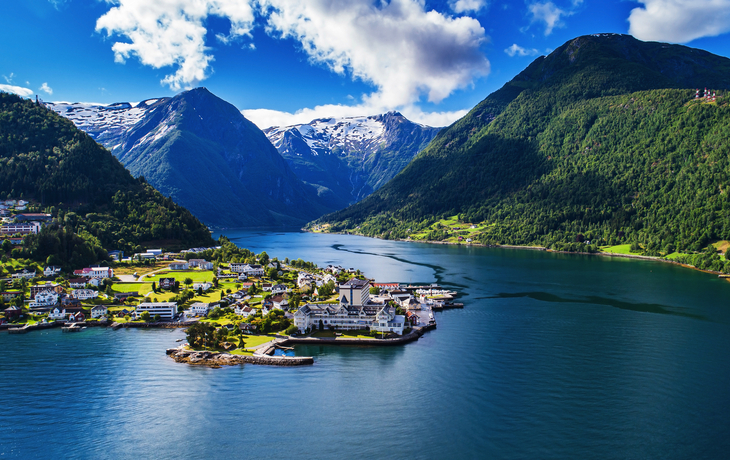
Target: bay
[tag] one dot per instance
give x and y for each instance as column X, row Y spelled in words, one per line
column 554, row 356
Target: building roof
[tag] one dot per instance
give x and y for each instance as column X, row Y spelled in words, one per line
column 355, row 283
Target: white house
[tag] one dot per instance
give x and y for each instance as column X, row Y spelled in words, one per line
column 266, row 287
column 279, row 302
column 24, row 274
column 199, row 309
column 84, row 294
column 98, row 311
column 279, row 289
column 304, row 279
column 253, row 270
column 51, row 270
column 179, row 266
column 166, row 310
column 44, row 299
column 57, row 313
column 203, row 286
column 242, row 277
column 243, row 310
column 200, row 263
column 237, row 267
column 95, row 272
column 387, row 321
column 77, row 283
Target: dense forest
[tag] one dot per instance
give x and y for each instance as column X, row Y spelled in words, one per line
column 96, row 203
column 577, row 148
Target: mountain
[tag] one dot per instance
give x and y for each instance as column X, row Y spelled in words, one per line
column 601, row 140
column 347, row 159
column 46, row 159
column 201, row 152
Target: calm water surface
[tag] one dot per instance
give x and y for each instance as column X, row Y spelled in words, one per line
column 554, row 356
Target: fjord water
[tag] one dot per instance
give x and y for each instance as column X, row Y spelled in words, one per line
column 553, row 356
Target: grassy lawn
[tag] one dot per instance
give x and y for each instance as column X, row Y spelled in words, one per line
column 238, row 351
column 198, row 276
column 256, row 340
column 162, row 296
column 620, row 249
column 122, row 320
column 124, row 269
column 142, row 288
column 345, row 334
column 675, row 255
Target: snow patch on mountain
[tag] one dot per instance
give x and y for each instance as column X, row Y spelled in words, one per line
column 105, row 122
column 324, row 135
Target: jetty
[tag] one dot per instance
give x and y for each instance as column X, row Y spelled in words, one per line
column 72, row 327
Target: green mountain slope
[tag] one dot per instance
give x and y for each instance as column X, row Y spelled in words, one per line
column 576, row 146
column 45, row 158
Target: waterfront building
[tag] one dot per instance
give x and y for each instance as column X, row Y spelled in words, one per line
column 166, row 310
column 43, row 299
column 199, row 309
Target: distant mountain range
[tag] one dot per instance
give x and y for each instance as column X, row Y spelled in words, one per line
column 200, row 151
column 600, row 141
column 349, row 158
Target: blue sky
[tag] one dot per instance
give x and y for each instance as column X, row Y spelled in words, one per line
column 290, row 61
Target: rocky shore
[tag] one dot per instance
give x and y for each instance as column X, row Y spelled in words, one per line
column 218, row 359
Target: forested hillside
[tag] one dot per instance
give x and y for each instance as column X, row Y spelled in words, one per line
column 578, row 147
column 46, row 159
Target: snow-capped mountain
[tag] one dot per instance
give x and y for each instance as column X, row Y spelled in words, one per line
column 349, row 158
column 204, row 154
column 105, row 123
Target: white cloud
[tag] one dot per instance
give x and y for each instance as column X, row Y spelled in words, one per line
column 679, row 21
column 517, row 50
column 9, row 78
column 401, row 49
column 547, row 13
column 405, row 52
column 47, row 89
column 171, row 33
column 464, row 6
column 19, row 90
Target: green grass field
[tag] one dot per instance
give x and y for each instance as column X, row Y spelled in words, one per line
column 620, row 249
column 344, row 334
column 198, row 276
column 142, row 288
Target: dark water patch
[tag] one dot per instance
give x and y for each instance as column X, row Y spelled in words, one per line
column 596, row 300
column 438, row 271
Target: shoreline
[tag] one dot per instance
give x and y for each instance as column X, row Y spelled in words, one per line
column 539, row 248
column 264, row 356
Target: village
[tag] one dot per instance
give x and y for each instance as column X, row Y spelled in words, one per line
column 256, row 299
column 238, row 304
